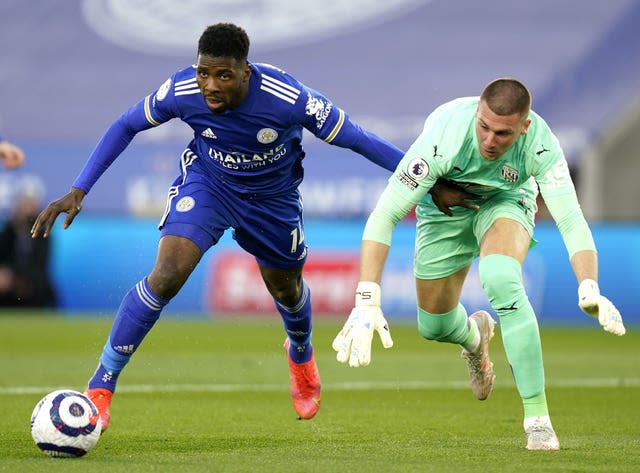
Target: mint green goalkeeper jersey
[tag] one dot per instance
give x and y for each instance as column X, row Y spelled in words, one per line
column 448, row 148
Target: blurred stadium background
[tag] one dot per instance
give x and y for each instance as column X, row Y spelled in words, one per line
column 68, row 69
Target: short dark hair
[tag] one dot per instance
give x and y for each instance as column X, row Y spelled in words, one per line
column 224, row 40
column 506, row 96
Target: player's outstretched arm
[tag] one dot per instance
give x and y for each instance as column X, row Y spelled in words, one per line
column 559, row 194
column 71, row 204
column 599, row 307
column 353, row 343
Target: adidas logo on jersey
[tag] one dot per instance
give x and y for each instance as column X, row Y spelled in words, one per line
column 209, row 134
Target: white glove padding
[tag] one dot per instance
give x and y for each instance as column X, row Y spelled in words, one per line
column 353, row 343
column 596, row 305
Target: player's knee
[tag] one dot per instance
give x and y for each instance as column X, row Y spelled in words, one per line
column 176, row 260
column 501, row 278
column 426, row 333
column 286, row 294
column 429, row 327
column 166, row 280
column 285, row 285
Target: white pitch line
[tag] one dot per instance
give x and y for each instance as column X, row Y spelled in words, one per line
column 346, row 386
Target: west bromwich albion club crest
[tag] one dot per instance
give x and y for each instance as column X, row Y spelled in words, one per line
column 509, row 174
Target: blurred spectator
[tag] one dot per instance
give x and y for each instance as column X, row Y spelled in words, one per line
column 11, row 156
column 24, row 262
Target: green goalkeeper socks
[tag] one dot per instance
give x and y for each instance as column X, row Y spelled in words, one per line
column 535, row 406
column 502, row 280
column 451, row 327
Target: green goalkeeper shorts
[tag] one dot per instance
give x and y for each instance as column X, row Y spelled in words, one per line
column 445, row 245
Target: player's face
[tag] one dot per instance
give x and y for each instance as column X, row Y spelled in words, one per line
column 223, row 81
column 497, row 133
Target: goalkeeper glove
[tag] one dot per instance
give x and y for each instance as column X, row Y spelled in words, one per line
column 596, row 305
column 353, row 343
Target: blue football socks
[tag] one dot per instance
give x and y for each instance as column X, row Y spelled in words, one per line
column 297, row 324
column 138, row 312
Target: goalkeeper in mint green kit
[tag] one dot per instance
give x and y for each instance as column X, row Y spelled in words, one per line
column 495, row 146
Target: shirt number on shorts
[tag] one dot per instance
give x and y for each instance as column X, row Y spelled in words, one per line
column 297, row 237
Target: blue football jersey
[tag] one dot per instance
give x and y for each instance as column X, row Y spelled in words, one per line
column 254, row 149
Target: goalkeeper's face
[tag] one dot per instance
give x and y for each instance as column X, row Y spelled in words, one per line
column 497, row 133
column 223, row 81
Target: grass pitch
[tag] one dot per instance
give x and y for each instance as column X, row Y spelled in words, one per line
column 212, row 396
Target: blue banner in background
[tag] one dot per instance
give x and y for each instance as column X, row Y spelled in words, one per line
column 338, row 183
column 113, row 57
column 97, row 260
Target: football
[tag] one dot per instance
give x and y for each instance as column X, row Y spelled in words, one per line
column 65, row 423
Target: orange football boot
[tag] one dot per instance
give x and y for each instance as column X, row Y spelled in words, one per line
column 102, row 399
column 305, row 386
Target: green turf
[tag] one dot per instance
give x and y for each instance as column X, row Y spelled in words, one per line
column 410, row 411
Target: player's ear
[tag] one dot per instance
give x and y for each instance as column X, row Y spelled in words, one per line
column 246, row 73
column 525, row 126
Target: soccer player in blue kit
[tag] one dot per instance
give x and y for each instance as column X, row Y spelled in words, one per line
column 241, row 171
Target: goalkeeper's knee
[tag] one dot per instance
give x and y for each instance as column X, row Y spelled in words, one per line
column 450, row 327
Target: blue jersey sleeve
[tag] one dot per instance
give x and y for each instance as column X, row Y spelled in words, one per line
column 368, row 144
column 149, row 112
column 331, row 124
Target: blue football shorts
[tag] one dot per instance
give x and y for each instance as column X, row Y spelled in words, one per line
column 272, row 230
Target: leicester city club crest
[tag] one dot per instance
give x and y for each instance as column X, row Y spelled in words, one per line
column 267, row 135
column 185, row 204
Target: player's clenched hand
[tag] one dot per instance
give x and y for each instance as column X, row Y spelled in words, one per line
column 596, row 305
column 71, row 203
column 353, row 343
column 446, row 194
